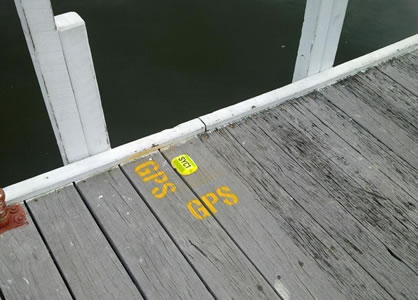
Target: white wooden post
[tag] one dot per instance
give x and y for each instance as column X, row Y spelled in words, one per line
column 56, row 81
column 321, row 33
column 74, row 41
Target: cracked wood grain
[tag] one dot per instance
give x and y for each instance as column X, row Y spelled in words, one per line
column 361, row 141
column 403, row 70
column 324, row 205
column 254, row 230
column 371, row 103
column 146, row 248
column 382, row 207
column 27, row 271
column 216, row 258
column 86, row 259
column 313, row 239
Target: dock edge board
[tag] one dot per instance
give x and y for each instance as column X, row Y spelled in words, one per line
column 304, row 86
column 49, row 181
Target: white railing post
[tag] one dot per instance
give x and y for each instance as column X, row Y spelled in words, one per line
column 321, row 33
column 75, row 45
column 67, row 82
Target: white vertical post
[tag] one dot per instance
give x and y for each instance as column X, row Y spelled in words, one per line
column 53, row 74
column 74, row 41
column 321, row 33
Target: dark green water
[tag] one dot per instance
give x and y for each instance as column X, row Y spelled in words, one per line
column 160, row 63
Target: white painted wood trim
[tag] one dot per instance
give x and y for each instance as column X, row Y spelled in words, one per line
column 44, row 45
column 95, row 164
column 238, row 111
column 79, row 170
column 74, row 41
column 321, row 31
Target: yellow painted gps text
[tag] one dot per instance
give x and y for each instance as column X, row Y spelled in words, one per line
column 164, row 189
column 227, row 197
column 197, row 209
column 201, row 211
column 150, row 171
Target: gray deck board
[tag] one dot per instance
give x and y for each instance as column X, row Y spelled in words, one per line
column 372, row 109
column 376, row 154
column 147, row 250
column 87, row 261
column 403, row 70
column 312, row 238
column 390, row 99
column 382, row 207
column 218, row 261
column 27, row 271
column 397, row 278
column 255, row 230
column 314, row 199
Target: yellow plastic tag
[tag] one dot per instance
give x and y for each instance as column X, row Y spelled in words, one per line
column 184, row 164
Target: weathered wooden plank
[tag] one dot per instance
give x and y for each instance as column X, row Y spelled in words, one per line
column 380, row 206
column 394, row 101
column 403, row 70
column 347, row 274
column 147, row 250
column 215, row 257
column 27, row 271
column 87, row 261
column 377, row 153
column 362, row 105
column 373, row 255
column 253, row 228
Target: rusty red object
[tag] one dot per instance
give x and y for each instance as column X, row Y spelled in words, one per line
column 10, row 216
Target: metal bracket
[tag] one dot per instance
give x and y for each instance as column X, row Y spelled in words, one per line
column 12, row 216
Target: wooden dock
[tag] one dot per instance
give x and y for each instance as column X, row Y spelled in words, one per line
column 313, row 199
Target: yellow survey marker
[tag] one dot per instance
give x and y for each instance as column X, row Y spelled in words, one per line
column 184, row 164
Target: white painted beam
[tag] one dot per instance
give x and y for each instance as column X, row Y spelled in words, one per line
column 321, row 31
column 45, row 49
column 251, row 106
column 64, row 67
column 49, row 181
column 60, row 177
column 74, row 41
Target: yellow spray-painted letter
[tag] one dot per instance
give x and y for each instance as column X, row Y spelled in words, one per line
column 143, row 169
column 201, row 212
column 229, row 198
column 164, row 190
column 210, row 199
column 159, row 177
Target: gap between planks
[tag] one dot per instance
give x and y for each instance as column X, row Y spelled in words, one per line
column 111, row 194
column 365, row 239
column 208, row 247
column 256, row 233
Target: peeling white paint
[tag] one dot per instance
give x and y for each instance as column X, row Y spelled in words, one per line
column 282, row 290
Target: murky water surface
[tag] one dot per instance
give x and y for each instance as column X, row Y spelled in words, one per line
column 163, row 62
